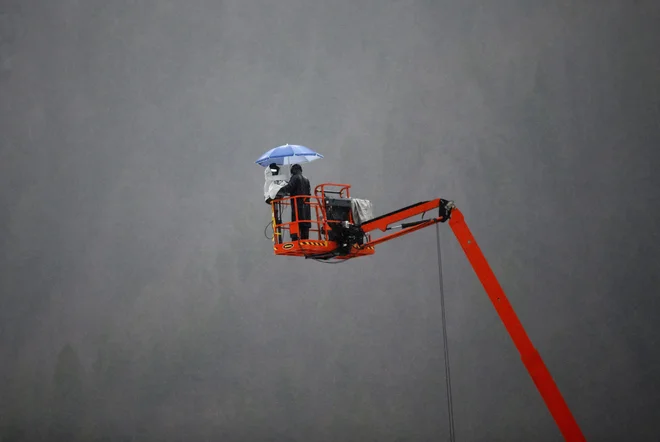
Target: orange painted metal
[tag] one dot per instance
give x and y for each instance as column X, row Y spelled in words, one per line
column 529, row 355
column 381, row 223
column 308, row 248
column 318, row 242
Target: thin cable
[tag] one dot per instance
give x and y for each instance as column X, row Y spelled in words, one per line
column 330, row 262
column 450, row 403
column 270, row 223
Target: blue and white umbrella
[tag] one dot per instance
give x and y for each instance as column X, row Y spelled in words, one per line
column 288, row 154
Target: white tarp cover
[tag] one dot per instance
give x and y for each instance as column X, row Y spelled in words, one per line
column 362, row 210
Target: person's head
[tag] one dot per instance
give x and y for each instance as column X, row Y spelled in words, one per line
column 296, row 168
column 274, row 168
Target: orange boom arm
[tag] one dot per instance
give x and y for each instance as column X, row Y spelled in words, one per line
column 529, row 355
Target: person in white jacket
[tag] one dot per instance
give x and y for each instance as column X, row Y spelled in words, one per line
column 273, row 182
column 272, row 185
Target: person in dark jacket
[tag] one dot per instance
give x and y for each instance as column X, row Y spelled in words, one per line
column 299, row 185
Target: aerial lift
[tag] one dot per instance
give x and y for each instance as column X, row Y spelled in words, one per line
column 342, row 228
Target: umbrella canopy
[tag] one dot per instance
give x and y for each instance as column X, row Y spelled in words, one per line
column 288, row 154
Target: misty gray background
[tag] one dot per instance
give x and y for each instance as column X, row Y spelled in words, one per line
column 132, row 218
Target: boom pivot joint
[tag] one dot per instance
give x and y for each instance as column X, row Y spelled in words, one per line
column 444, row 210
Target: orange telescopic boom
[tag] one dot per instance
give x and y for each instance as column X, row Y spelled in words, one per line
column 529, row 355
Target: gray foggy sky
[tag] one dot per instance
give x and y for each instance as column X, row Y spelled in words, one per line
column 131, row 210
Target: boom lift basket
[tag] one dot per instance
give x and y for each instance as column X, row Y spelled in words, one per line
column 334, row 231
